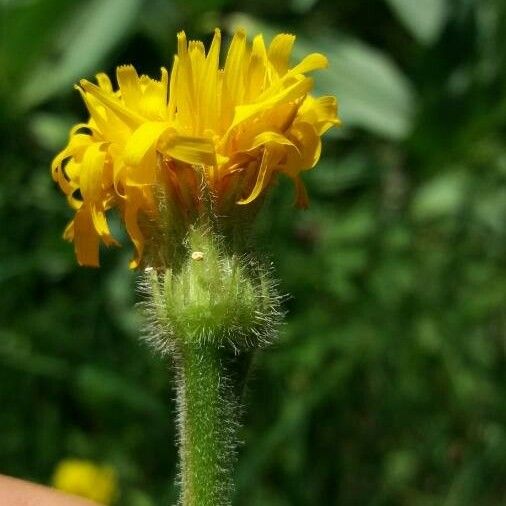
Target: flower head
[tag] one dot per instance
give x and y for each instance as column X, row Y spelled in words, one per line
column 86, row 479
column 231, row 129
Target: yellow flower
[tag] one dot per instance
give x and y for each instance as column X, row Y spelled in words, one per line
column 231, row 129
column 86, row 479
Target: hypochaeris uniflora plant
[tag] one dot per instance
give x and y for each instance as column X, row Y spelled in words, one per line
column 186, row 161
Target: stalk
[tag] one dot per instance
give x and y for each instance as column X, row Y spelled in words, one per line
column 208, row 411
column 210, row 314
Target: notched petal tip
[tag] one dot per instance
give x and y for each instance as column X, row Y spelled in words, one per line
column 85, row 85
column 182, row 45
column 104, row 82
column 126, row 72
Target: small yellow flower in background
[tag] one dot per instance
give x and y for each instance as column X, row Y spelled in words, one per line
column 86, row 479
column 232, row 129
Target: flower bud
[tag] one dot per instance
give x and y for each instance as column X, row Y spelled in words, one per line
column 214, row 297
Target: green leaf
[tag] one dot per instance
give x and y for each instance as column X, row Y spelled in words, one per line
column 372, row 92
column 423, row 18
column 50, row 130
column 440, row 197
column 84, row 42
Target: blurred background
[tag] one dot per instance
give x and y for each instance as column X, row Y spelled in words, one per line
column 387, row 386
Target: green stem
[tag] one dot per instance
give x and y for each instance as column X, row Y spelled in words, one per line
column 208, row 411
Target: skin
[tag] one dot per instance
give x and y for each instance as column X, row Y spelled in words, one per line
column 14, row 492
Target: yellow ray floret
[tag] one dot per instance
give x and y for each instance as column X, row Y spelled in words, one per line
column 87, row 479
column 233, row 127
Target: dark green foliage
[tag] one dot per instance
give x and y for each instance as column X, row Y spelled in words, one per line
column 387, row 386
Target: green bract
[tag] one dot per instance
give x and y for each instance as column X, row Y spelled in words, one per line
column 214, row 297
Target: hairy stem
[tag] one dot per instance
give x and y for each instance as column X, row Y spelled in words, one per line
column 208, row 411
